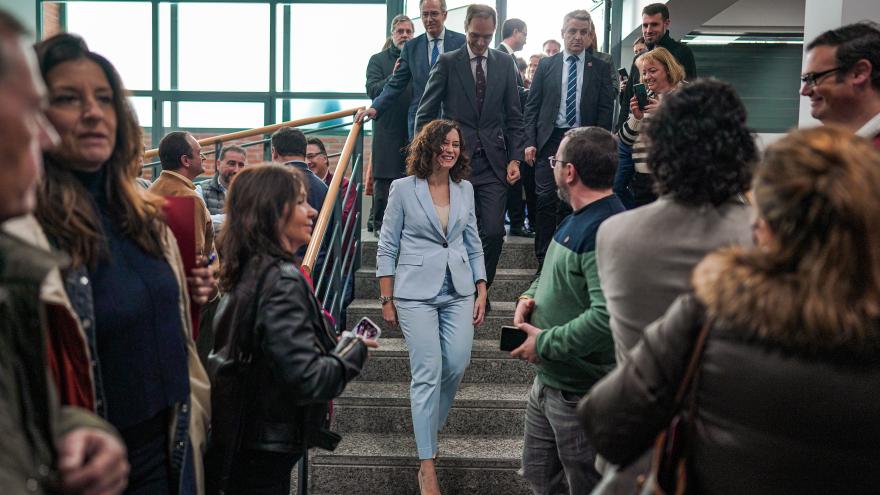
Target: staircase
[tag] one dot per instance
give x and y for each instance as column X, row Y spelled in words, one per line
column 481, row 446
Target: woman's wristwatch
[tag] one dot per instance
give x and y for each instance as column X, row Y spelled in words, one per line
column 385, row 299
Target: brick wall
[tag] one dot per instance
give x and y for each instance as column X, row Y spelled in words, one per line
column 51, row 19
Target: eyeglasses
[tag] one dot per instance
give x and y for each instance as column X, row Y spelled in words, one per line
column 554, row 162
column 434, row 14
column 811, row 79
column 312, row 155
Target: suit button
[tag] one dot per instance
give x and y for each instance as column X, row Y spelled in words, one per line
column 445, row 245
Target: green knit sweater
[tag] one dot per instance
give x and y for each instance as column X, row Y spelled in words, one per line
column 575, row 346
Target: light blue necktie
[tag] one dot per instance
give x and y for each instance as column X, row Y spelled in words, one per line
column 571, row 92
column 435, row 52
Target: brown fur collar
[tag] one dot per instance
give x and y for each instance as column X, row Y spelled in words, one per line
column 764, row 307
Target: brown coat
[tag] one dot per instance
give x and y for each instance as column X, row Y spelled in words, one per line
column 171, row 183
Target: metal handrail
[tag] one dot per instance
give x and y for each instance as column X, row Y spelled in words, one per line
column 320, row 229
column 266, row 129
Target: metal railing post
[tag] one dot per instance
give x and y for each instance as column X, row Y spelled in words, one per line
column 359, row 179
column 302, row 481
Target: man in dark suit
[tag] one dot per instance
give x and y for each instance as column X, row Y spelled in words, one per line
column 570, row 89
column 476, row 87
column 390, row 133
column 655, row 31
column 416, row 60
column 514, row 33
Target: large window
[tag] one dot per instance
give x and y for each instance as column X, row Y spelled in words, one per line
column 544, row 20
column 332, row 54
column 121, row 31
column 223, row 47
column 211, row 67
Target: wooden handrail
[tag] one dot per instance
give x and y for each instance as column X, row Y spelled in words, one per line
column 327, row 208
column 266, row 129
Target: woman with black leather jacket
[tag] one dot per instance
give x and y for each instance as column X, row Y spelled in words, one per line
column 274, row 366
column 786, row 393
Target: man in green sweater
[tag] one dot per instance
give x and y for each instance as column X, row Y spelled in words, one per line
column 564, row 315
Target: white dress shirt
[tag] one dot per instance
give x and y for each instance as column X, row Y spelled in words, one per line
column 441, row 38
column 561, row 121
column 473, row 58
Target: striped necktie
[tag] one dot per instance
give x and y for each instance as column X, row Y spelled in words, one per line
column 435, row 52
column 571, row 92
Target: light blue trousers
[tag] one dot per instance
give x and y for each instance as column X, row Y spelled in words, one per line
column 439, row 333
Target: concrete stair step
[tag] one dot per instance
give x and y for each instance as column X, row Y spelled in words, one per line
column 518, row 252
column 509, row 284
column 382, row 464
column 501, row 314
column 479, row 409
column 390, row 363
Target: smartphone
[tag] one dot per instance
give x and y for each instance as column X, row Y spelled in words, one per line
column 641, row 95
column 622, row 72
column 367, row 329
column 511, row 338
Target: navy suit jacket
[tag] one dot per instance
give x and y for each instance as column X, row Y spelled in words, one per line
column 414, row 67
column 499, row 124
column 545, row 93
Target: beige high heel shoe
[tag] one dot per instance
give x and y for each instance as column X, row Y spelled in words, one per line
column 428, row 485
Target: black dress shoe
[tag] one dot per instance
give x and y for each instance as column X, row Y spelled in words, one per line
column 521, row 232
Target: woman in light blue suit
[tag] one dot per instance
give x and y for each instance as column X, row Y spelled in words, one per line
column 432, row 278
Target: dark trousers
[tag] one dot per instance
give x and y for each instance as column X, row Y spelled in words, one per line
column 381, row 188
column 516, row 207
column 262, row 473
column 490, row 200
column 147, row 445
column 550, row 210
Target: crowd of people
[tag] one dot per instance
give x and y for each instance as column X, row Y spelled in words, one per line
column 685, row 277
column 623, row 205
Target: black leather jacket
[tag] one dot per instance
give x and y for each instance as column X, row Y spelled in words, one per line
column 273, row 367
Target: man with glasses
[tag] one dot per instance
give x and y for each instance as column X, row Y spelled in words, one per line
column 182, row 161
column 476, row 87
column 842, row 78
column 565, row 317
column 570, row 89
column 416, row 59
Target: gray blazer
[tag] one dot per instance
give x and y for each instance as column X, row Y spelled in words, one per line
column 452, row 91
column 542, row 107
column 414, row 249
column 645, row 258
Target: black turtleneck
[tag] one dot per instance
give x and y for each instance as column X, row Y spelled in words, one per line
column 137, row 323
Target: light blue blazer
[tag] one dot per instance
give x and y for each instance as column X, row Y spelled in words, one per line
column 413, row 248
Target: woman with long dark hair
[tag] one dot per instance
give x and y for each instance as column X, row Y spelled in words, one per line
column 432, row 277
column 786, row 392
column 129, row 355
column 275, row 364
